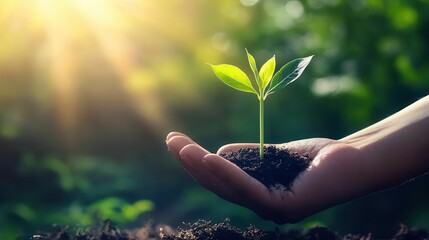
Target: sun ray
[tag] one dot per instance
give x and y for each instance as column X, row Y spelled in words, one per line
column 62, row 64
column 107, row 27
column 146, row 45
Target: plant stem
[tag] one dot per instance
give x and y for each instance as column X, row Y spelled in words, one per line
column 261, row 128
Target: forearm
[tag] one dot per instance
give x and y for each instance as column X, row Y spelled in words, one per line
column 396, row 148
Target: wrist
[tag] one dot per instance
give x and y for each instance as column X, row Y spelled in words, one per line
column 394, row 149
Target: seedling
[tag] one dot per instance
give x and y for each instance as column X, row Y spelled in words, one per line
column 265, row 82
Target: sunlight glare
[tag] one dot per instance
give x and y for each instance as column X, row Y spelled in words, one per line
column 79, row 56
column 107, row 23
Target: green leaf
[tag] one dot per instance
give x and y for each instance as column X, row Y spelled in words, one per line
column 288, row 73
column 267, row 72
column 233, row 77
column 254, row 68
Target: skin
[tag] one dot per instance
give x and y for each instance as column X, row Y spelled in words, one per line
column 380, row 156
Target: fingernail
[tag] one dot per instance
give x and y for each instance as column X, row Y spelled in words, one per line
column 176, row 144
column 166, row 143
column 193, row 154
column 172, row 134
column 207, row 160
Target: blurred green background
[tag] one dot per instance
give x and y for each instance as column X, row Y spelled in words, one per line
column 89, row 90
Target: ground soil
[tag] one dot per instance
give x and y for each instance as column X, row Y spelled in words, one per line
column 203, row 230
column 279, row 167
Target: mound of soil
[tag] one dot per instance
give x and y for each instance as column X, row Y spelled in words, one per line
column 279, row 167
column 203, row 230
column 224, row 230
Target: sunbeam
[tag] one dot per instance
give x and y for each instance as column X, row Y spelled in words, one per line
column 71, row 42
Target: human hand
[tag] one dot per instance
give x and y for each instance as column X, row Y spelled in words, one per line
column 334, row 176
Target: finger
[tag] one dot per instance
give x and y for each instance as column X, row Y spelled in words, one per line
column 175, row 134
column 235, row 147
column 247, row 191
column 192, row 155
column 299, row 146
column 177, row 143
column 308, row 147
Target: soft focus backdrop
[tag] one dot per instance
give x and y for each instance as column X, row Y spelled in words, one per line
column 89, row 90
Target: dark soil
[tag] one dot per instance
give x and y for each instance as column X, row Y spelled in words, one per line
column 279, row 167
column 203, row 230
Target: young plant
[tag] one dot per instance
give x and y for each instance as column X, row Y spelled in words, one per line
column 265, row 82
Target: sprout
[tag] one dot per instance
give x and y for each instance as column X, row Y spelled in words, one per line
column 266, row 83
